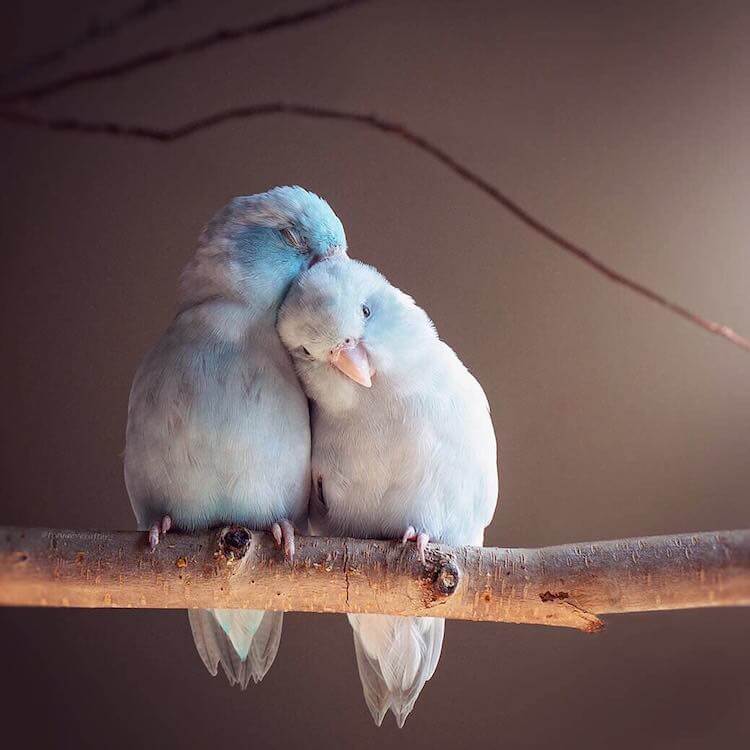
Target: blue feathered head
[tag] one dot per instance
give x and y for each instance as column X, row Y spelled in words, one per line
column 256, row 245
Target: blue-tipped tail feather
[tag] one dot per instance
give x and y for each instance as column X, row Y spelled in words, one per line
column 243, row 641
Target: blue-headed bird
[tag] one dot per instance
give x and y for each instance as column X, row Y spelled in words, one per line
column 218, row 425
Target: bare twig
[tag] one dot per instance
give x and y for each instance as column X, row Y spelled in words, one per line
column 97, row 30
column 405, row 134
column 238, row 568
column 179, row 50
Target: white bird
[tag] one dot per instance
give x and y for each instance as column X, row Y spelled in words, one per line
column 218, row 425
column 403, row 447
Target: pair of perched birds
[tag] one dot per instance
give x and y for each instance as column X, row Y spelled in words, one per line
column 296, row 385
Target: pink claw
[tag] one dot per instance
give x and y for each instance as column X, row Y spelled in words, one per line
column 276, row 531
column 422, row 539
column 157, row 530
column 283, row 531
column 409, row 534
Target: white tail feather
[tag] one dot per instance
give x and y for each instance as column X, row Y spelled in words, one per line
column 395, row 657
column 243, row 641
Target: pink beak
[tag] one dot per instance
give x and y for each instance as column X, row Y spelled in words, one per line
column 351, row 359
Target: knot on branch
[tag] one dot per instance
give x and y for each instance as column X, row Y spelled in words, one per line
column 551, row 596
column 441, row 576
column 234, row 542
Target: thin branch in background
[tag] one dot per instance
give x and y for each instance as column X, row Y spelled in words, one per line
column 96, row 30
column 399, row 131
column 171, row 52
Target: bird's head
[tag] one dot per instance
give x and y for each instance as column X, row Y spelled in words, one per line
column 348, row 329
column 256, row 245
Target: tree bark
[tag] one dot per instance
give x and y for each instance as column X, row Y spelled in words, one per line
column 234, row 567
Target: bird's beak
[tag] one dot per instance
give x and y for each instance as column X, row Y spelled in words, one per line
column 351, row 359
column 330, row 252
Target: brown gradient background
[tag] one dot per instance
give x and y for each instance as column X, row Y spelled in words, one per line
column 624, row 125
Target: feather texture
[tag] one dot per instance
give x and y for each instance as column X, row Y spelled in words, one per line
column 218, row 425
column 395, row 657
column 244, row 642
column 416, row 449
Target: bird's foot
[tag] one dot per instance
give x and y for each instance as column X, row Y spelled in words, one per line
column 157, row 530
column 422, row 539
column 283, row 534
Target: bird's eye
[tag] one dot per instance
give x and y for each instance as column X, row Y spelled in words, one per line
column 306, row 351
column 292, row 237
column 366, row 311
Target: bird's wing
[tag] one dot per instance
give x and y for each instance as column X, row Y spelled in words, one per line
column 459, row 484
column 217, row 433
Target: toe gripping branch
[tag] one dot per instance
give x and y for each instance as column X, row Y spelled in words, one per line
column 438, row 577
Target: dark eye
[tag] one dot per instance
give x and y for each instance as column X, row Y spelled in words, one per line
column 307, row 353
column 291, row 237
column 366, row 311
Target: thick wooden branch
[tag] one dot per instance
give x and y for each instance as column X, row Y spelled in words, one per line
column 565, row 586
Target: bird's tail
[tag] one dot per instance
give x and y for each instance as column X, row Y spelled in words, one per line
column 243, row 641
column 395, row 657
